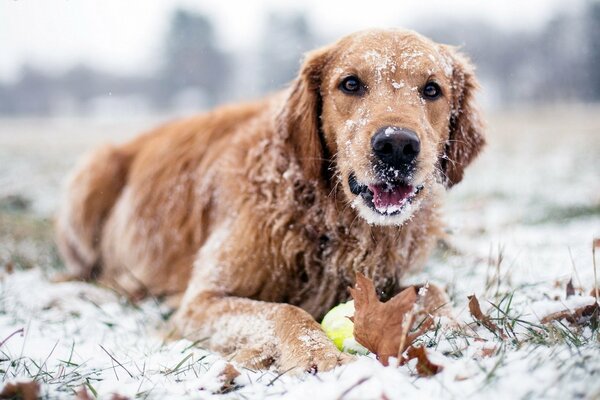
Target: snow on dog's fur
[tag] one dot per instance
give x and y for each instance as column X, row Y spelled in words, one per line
column 256, row 217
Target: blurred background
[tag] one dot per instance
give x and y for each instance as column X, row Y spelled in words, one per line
column 77, row 73
column 120, row 59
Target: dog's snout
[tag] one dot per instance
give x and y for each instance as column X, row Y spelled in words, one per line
column 396, row 147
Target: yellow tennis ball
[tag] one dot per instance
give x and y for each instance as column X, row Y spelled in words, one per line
column 339, row 328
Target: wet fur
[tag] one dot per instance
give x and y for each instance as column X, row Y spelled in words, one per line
column 243, row 217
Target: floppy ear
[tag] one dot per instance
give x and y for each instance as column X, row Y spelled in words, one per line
column 466, row 137
column 300, row 118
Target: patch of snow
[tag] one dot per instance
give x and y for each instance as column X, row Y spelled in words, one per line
column 397, row 85
column 499, row 212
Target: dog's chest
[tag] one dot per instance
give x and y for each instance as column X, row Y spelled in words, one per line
column 328, row 265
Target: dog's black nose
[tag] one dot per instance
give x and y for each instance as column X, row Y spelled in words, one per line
column 396, row 147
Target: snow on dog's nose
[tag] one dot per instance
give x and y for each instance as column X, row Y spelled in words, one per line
column 396, row 148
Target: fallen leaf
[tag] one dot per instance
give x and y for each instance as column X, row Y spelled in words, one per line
column 488, row 351
column 9, row 267
column 82, row 394
column 434, row 300
column 380, row 326
column 579, row 316
column 386, row 329
column 28, row 390
column 116, row 396
column 556, row 316
column 570, row 288
column 480, row 317
column 424, row 365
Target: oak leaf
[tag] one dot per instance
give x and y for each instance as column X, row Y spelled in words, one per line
column 386, row 329
column 380, row 326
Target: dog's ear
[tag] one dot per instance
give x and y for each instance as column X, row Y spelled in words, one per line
column 466, row 137
column 299, row 119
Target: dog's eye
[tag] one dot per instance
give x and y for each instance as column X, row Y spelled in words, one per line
column 431, row 91
column 351, row 85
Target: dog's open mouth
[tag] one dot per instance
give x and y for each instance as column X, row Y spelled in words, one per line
column 386, row 198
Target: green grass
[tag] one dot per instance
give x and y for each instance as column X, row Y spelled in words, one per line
column 26, row 239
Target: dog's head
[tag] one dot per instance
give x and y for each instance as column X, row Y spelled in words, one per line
column 395, row 113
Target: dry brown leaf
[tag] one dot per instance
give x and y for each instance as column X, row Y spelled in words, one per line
column 385, row 328
column 488, row 351
column 480, row 317
column 380, row 326
column 556, row 316
column 9, row 267
column 424, row 365
column 82, row 394
column 579, row 316
column 21, row 390
column 434, row 301
column 116, row 396
column 570, row 288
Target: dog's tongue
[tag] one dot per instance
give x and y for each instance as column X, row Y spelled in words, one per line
column 386, row 198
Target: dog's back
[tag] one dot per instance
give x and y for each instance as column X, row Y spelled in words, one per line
column 140, row 204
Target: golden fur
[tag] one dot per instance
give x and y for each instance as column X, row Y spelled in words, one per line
column 244, row 214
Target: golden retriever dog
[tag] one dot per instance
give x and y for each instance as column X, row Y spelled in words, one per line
column 255, row 218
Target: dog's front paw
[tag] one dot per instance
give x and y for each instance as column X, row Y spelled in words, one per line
column 254, row 357
column 312, row 353
column 292, row 359
column 324, row 361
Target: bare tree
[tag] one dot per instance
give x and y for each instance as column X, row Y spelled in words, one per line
column 192, row 58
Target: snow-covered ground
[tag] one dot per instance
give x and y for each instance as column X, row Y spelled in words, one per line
column 521, row 224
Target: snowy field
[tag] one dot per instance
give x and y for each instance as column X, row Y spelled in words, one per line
column 521, row 226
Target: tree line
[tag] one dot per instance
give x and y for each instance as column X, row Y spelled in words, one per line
column 557, row 63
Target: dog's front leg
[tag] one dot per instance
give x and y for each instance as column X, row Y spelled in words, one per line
column 258, row 334
column 224, row 306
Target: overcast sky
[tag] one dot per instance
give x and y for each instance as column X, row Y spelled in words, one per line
column 123, row 35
